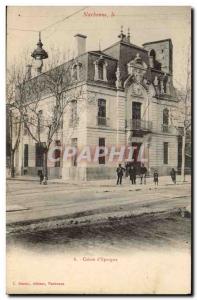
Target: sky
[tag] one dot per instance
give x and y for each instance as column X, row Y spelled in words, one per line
column 146, row 24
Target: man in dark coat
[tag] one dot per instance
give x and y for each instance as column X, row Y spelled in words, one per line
column 156, row 177
column 132, row 173
column 173, row 175
column 143, row 171
column 120, row 171
column 41, row 177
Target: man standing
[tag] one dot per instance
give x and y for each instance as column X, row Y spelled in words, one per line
column 41, row 176
column 120, row 171
column 132, row 173
column 173, row 175
column 156, row 177
column 143, row 171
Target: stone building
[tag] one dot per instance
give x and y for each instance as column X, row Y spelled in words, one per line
column 128, row 92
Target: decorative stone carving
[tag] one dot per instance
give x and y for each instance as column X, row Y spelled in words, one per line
column 136, row 89
column 137, row 68
column 118, row 81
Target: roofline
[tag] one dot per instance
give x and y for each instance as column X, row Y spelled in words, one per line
column 103, row 54
column 134, row 46
column 155, row 42
column 127, row 44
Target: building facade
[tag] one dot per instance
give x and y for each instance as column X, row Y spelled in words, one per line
column 127, row 94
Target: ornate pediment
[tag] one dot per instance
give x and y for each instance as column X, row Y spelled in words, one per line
column 137, row 68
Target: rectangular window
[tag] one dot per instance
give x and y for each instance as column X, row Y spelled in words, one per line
column 26, row 155
column 57, row 153
column 101, row 112
column 101, row 144
column 39, row 155
column 73, row 117
column 136, row 110
column 100, row 71
column 74, row 157
column 165, row 153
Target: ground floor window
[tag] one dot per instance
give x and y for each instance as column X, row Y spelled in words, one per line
column 101, row 144
column 26, row 155
column 165, row 153
column 74, row 157
column 39, row 155
column 57, row 153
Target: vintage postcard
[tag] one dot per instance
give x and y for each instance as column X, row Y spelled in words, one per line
column 98, row 150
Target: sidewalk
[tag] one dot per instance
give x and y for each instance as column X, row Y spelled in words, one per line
column 163, row 181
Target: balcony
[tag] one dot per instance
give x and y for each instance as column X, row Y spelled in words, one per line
column 102, row 121
column 168, row 129
column 140, row 125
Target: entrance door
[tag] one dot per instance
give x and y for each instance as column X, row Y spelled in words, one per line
column 136, row 158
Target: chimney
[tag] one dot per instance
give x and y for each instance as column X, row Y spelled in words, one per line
column 80, row 44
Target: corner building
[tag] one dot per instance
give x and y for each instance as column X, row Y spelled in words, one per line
column 127, row 97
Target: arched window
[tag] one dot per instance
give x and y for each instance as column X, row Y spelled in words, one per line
column 74, row 72
column 100, row 69
column 152, row 56
column 152, row 53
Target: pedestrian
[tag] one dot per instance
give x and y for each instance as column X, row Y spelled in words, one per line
column 143, row 172
column 173, row 175
column 127, row 167
column 45, row 180
column 156, row 177
column 41, row 177
column 120, row 171
column 132, row 173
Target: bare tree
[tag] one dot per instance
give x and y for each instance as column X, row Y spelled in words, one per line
column 47, row 96
column 181, row 115
column 15, row 98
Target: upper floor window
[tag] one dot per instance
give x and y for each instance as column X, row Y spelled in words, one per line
column 102, row 112
column 75, row 71
column 136, row 110
column 165, row 116
column 73, row 115
column 165, row 125
column 102, row 108
column 100, row 69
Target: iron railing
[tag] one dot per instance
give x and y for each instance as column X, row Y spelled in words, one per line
column 102, row 121
column 140, row 125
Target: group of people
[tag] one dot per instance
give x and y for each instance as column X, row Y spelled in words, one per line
column 130, row 170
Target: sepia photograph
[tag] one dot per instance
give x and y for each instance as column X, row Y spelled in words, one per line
column 99, row 150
